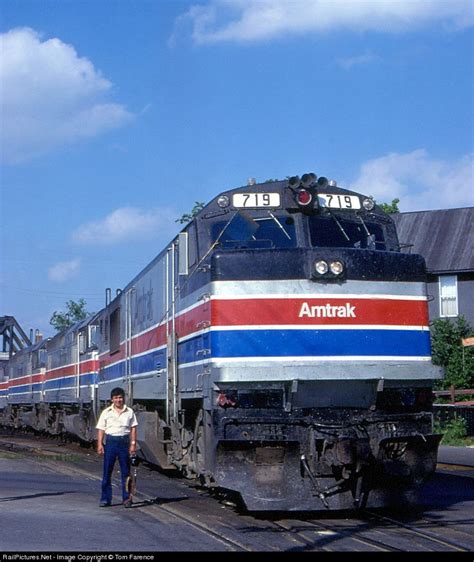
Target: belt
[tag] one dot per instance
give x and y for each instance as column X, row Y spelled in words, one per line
column 117, row 437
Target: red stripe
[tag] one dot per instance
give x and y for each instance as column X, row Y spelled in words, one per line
column 253, row 312
column 89, row 366
column 149, row 340
column 26, row 379
column 192, row 321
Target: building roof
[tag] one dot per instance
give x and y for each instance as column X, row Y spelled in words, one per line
column 445, row 238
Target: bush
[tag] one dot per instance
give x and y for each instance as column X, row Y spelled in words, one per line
column 448, row 351
column 454, row 430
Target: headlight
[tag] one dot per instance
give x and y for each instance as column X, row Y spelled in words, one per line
column 336, row 267
column 321, row 267
column 223, row 201
column 368, row 203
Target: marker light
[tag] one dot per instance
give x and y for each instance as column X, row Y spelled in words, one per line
column 294, row 182
column 304, row 197
column 321, row 267
column 323, row 182
column 368, row 203
column 223, row 201
column 307, row 180
column 336, row 267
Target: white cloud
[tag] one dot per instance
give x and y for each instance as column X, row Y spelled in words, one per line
column 350, row 62
column 418, row 180
column 127, row 224
column 64, row 270
column 49, row 96
column 250, row 20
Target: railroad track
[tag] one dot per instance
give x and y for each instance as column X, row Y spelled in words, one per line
column 428, row 540
column 361, row 531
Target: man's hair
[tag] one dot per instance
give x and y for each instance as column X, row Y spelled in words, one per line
column 117, row 392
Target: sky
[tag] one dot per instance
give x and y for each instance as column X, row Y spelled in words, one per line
column 117, row 116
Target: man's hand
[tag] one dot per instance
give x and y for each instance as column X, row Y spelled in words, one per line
column 100, row 441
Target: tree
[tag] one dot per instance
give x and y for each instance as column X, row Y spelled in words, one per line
column 75, row 311
column 448, row 351
column 187, row 217
column 390, row 207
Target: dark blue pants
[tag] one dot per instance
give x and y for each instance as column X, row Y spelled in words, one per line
column 115, row 447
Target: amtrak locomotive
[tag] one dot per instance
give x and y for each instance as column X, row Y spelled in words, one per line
column 278, row 347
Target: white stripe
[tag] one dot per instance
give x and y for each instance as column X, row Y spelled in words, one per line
column 143, row 353
column 361, row 358
column 319, row 296
column 319, row 327
column 194, row 335
column 194, row 363
column 305, row 288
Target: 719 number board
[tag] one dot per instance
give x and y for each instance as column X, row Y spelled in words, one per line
column 255, row 200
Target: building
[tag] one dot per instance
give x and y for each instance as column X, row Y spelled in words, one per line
column 445, row 238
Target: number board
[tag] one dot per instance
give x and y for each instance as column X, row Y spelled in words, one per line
column 338, row 201
column 255, row 200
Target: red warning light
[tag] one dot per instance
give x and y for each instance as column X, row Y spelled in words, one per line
column 304, row 197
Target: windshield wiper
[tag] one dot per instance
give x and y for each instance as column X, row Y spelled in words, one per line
column 370, row 237
column 341, row 228
column 279, row 224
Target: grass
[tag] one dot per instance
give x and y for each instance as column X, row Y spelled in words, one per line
column 454, row 432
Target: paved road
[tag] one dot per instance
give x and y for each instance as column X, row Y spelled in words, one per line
column 456, row 455
column 42, row 510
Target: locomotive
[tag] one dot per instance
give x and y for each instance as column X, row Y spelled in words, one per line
column 278, row 347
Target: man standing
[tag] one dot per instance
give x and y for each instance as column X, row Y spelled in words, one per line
column 119, row 425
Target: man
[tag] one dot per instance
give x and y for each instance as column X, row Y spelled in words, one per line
column 118, row 424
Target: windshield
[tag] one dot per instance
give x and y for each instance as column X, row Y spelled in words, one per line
column 335, row 231
column 243, row 231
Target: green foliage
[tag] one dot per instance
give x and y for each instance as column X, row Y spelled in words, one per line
column 454, row 430
column 75, row 311
column 188, row 217
column 448, row 351
column 390, row 207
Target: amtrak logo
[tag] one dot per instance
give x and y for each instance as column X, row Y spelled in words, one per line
column 327, row 311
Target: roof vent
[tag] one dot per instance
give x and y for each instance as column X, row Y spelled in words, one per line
column 251, row 181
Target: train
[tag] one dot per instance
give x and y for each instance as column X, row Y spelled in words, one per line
column 278, row 347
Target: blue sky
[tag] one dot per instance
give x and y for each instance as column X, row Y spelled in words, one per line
column 117, row 115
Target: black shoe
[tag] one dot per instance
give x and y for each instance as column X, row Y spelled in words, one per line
column 127, row 503
column 104, row 504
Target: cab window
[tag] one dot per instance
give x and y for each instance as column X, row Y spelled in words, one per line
column 243, row 231
column 339, row 232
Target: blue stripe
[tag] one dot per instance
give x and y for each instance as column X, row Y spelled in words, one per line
column 20, row 388
column 57, row 384
column 143, row 364
column 112, row 372
column 304, row 343
column 192, row 350
column 149, row 362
